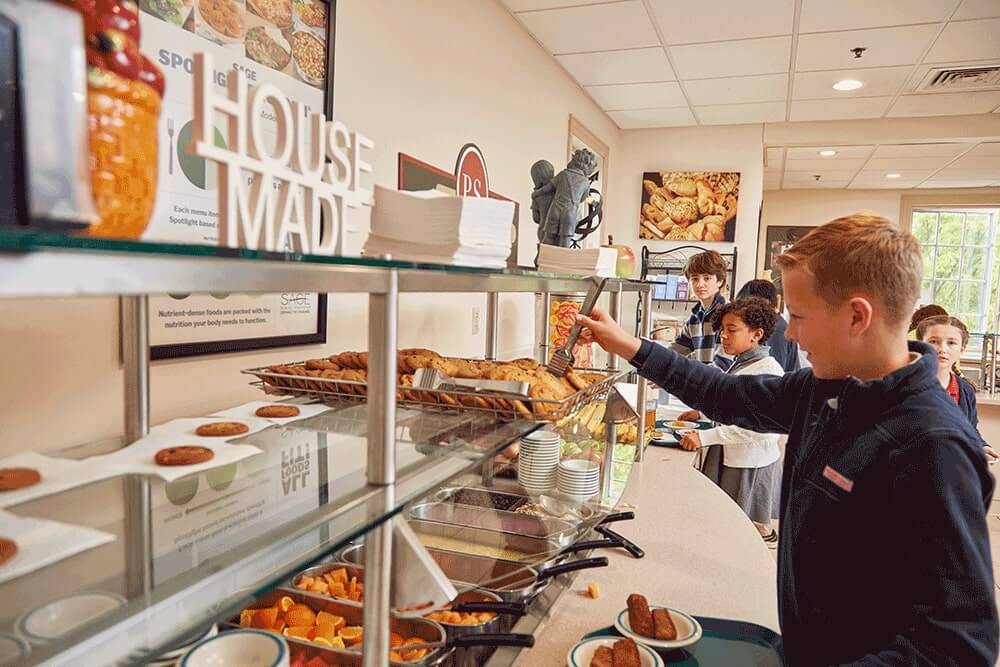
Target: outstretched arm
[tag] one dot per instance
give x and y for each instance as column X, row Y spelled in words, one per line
column 760, row 403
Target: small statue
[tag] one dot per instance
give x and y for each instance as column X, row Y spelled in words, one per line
column 541, row 197
column 571, row 187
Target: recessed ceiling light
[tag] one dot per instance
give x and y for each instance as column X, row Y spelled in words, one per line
column 828, row 153
column 848, row 84
column 893, row 175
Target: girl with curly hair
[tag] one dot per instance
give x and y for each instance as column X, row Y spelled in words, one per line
column 745, row 464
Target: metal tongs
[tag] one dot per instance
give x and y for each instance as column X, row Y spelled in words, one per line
column 431, row 379
column 563, row 357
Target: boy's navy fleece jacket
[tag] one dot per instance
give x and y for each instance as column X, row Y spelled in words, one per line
column 884, row 556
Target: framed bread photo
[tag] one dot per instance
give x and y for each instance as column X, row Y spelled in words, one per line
column 689, row 206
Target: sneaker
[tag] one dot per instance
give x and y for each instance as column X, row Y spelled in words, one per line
column 771, row 539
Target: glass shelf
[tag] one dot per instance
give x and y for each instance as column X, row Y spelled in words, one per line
column 220, row 540
column 56, row 264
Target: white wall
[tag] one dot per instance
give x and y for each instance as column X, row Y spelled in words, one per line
column 414, row 80
column 722, row 148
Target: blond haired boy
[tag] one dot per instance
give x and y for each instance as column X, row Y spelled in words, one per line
column 884, row 557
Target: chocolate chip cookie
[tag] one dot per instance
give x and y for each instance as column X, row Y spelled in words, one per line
column 184, row 455
column 222, row 429
column 12, row 479
column 278, row 411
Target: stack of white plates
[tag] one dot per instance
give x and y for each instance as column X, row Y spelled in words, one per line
column 578, row 478
column 537, row 460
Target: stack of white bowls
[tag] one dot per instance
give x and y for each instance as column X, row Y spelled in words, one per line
column 537, row 460
column 578, row 479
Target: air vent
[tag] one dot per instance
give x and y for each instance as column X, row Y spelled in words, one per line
column 961, row 78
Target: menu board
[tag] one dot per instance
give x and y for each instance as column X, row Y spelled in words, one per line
column 281, row 42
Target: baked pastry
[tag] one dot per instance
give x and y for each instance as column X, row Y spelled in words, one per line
column 221, row 429
column 603, row 657
column 12, row 479
column 640, row 619
column 184, row 455
column 278, row 411
column 8, row 549
column 321, row 365
column 663, row 625
column 625, row 653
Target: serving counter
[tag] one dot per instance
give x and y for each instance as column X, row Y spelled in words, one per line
column 703, row 556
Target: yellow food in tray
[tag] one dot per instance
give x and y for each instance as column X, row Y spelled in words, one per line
column 473, row 548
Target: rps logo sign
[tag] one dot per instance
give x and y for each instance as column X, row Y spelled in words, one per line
column 471, row 177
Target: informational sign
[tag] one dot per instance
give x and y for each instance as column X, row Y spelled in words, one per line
column 281, row 43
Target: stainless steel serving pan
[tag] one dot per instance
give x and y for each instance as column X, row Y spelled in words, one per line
column 513, row 582
column 511, row 523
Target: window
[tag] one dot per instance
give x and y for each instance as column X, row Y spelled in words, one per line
column 961, row 262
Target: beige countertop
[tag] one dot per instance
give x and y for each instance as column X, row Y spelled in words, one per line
column 703, row 556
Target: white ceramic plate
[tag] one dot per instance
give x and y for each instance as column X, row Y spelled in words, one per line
column 62, row 616
column 581, row 654
column 12, row 649
column 688, row 629
column 674, row 425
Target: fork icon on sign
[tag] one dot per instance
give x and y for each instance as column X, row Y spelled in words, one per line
column 170, row 134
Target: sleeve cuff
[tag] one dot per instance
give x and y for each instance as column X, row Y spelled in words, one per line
column 710, row 436
column 639, row 360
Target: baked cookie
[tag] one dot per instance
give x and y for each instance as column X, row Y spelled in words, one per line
column 12, row 479
column 184, row 455
column 278, row 411
column 222, row 429
column 8, row 549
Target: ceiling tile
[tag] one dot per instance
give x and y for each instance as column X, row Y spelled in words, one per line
column 822, row 184
column 819, row 164
column 630, row 66
column 638, row 96
column 531, row 5
column 968, row 174
column 945, row 183
column 945, row 104
column 857, row 107
column 910, row 163
column 879, row 81
column 977, row 9
column 969, row 161
column 967, row 40
column 919, row 150
column 772, row 181
column 727, row 59
column 735, row 90
column 582, row 29
column 876, row 178
column 989, row 148
column 638, row 118
column 736, row 114
column 843, row 152
column 886, row 47
column 824, row 16
column 773, row 156
column 686, row 23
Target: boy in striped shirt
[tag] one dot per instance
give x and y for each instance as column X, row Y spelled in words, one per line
column 706, row 274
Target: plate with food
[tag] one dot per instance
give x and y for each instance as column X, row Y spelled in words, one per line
column 310, row 58
column 657, row 627
column 678, row 424
column 610, row 651
column 222, row 21
column 267, row 46
column 663, row 439
column 171, row 11
column 277, row 12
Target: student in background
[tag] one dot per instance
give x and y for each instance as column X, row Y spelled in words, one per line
column 706, row 275
column 746, row 465
column 785, row 351
column 950, row 337
column 921, row 314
